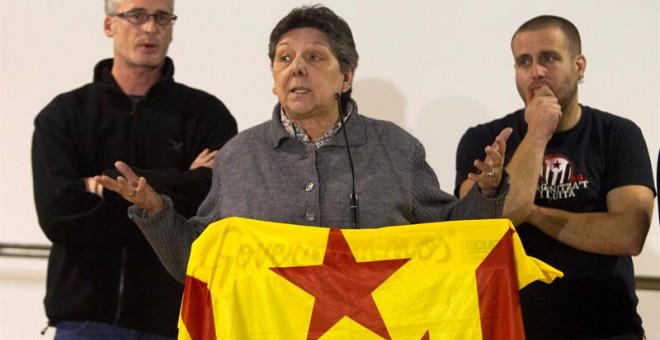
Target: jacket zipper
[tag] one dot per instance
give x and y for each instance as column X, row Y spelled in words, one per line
column 120, row 288
column 124, row 251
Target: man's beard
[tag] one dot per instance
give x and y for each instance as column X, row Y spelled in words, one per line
column 565, row 92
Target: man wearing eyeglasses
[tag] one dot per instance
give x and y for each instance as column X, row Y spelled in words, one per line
column 104, row 280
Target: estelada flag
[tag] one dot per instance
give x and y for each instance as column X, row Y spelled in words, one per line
column 249, row 279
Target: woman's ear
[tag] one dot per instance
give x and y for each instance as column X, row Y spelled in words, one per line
column 348, row 80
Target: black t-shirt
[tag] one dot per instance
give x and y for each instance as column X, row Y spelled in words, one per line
column 597, row 296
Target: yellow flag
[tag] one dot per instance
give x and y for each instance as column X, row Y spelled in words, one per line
column 249, row 279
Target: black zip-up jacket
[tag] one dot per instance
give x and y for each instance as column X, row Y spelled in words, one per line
column 101, row 267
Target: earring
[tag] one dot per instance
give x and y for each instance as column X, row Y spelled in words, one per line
column 580, row 79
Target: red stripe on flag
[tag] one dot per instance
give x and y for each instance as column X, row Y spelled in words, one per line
column 499, row 302
column 197, row 310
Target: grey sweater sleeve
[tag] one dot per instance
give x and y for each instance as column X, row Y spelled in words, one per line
column 169, row 234
column 432, row 204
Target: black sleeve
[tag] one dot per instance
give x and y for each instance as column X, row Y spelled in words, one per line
column 66, row 211
column 623, row 166
column 188, row 188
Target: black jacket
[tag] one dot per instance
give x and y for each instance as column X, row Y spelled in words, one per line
column 101, row 267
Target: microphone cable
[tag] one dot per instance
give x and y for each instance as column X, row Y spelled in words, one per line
column 354, row 208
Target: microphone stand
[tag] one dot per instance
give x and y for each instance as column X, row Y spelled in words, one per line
column 353, row 201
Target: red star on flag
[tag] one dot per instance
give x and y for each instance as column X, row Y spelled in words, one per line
column 342, row 287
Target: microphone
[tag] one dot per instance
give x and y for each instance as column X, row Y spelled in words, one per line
column 353, row 206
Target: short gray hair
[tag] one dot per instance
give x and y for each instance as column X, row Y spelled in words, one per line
column 111, row 6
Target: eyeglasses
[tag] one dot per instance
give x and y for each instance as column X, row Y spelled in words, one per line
column 140, row 17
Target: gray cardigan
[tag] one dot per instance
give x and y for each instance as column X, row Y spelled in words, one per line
column 265, row 174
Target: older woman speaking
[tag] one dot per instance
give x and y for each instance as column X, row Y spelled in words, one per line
column 295, row 168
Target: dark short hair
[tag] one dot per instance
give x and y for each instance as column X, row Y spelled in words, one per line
column 325, row 20
column 545, row 21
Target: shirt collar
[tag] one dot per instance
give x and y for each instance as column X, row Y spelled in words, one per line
column 295, row 131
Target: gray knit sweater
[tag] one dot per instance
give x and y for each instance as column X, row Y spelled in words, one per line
column 263, row 173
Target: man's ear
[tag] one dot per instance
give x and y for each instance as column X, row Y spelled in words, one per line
column 581, row 62
column 108, row 28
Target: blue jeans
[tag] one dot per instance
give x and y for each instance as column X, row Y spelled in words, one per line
column 84, row 330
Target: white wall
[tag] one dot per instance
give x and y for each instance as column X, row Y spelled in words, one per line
column 433, row 67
